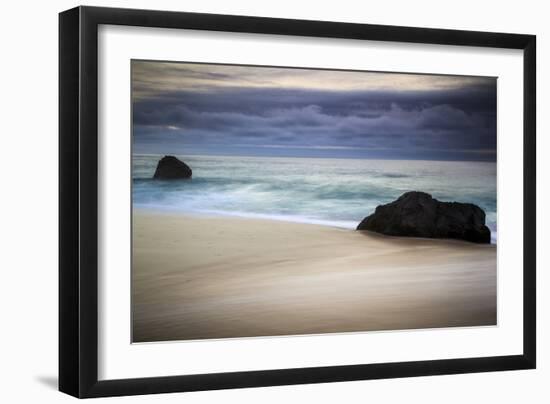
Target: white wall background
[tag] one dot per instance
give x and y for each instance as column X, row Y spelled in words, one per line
column 28, row 204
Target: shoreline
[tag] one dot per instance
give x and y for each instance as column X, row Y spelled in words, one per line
column 350, row 225
column 280, row 218
column 201, row 276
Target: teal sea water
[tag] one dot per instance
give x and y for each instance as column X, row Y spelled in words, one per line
column 333, row 192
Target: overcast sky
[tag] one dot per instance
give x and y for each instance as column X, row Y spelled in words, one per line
column 183, row 108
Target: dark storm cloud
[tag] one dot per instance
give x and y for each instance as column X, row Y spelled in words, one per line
column 436, row 123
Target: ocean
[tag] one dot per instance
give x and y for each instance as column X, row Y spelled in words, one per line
column 332, row 192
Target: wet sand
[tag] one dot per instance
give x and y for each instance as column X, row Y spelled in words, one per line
column 197, row 277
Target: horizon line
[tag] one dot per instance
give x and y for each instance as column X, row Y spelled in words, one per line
column 313, row 157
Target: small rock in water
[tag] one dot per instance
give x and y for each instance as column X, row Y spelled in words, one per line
column 171, row 168
column 417, row 214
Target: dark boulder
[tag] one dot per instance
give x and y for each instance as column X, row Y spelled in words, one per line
column 417, row 214
column 171, row 168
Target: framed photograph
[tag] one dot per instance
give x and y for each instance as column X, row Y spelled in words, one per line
column 251, row 202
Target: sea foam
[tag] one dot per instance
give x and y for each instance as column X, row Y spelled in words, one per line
column 331, row 192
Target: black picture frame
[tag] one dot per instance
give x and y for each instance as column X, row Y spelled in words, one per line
column 78, row 201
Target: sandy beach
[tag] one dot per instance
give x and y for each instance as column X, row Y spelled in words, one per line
column 197, row 277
